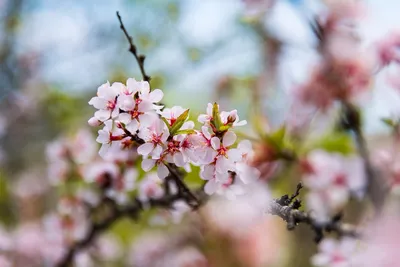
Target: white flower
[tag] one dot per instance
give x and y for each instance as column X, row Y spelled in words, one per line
column 172, row 114
column 105, row 102
column 107, row 136
column 155, row 137
column 334, row 253
column 154, row 96
column 226, row 156
column 141, row 115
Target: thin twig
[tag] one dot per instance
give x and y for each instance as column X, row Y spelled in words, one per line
column 288, row 209
column 182, row 187
column 293, row 217
column 132, row 48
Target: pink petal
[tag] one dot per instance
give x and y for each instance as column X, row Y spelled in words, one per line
column 156, row 96
column 99, row 103
column 102, row 115
column 162, row 171
column 157, row 152
column 234, row 154
column 215, row 143
column 245, row 146
column 145, row 149
column 211, row 187
column 132, row 127
column 229, row 139
column 178, row 159
column 148, row 164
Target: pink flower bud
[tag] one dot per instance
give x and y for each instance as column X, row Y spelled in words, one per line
column 94, row 122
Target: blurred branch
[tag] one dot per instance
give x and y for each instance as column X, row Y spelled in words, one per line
column 116, row 213
column 376, row 188
column 287, row 208
column 132, row 48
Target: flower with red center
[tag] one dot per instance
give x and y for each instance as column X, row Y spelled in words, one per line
column 155, row 137
column 105, row 102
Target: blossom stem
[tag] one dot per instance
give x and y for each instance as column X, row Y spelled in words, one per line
column 132, row 48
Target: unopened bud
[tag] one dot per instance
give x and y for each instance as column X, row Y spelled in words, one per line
column 232, row 117
column 94, row 122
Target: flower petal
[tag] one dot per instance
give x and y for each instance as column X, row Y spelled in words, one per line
column 148, row 164
column 156, row 96
column 145, row 149
column 210, row 187
column 229, row 139
column 215, row 143
column 162, row 171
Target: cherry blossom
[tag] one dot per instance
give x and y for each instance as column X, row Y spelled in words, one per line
column 107, row 135
column 155, row 136
column 106, row 102
column 331, row 179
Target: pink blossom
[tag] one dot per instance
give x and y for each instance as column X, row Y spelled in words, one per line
column 331, row 179
column 107, row 136
column 106, row 102
column 155, row 136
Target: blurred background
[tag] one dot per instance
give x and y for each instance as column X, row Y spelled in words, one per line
column 54, row 55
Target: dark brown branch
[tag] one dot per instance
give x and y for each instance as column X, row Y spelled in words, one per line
column 183, row 190
column 293, row 217
column 287, row 209
column 132, row 48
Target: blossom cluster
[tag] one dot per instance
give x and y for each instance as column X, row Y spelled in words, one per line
column 331, row 179
column 132, row 118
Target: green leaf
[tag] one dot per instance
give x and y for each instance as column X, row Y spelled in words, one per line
column 187, row 131
column 389, row 122
column 276, row 139
column 179, row 122
column 166, row 123
column 216, row 121
column 336, row 143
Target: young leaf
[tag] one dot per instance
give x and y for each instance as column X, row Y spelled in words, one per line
column 166, row 123
column 276, row 139
column 216, row 121
column 179, row 122
column 187, row 131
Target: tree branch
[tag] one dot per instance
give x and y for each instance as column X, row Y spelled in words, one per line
column 132, row 48
column 133, row 211
column 287, row 209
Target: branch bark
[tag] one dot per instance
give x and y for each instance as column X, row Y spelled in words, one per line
column 287, row 209
column 132, row 48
